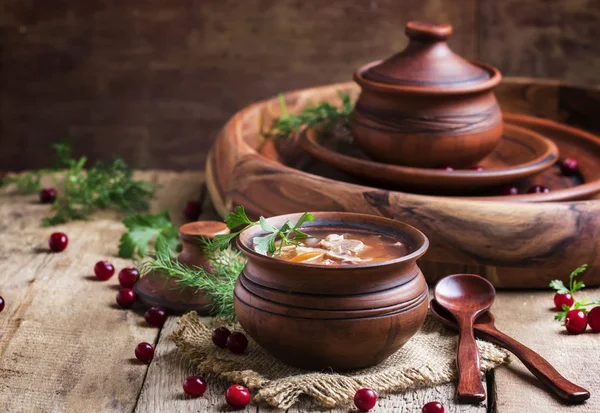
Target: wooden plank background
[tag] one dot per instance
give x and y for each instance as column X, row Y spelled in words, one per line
column 154, row 80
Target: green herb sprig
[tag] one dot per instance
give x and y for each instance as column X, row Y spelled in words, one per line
column 289, row 233
column 143, row 229
column 578, row 305
column 101, row 186
column 324, row 115
column 30, row 182
column 574, row 286
column 218, row 286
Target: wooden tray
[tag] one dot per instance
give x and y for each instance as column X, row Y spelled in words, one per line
column 514, row 245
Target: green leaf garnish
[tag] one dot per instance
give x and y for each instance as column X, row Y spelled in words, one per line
column 143, row 229
column 264, row 244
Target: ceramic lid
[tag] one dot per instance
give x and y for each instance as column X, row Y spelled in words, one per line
column 427, row 61
column 207, row 229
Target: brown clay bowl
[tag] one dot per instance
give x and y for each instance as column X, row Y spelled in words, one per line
column 405, row 293
column 253, row 300
column 336, row 280
column 317, row 338
column 520, row 153
column 337, row 344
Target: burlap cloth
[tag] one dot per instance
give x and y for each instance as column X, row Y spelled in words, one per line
column 428, row 359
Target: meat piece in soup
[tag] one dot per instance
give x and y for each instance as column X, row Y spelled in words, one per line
column 326, row 248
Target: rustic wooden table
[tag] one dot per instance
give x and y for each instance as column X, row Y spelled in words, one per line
column 66, row 346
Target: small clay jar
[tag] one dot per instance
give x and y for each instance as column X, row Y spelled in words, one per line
column 427, row 106
column 152, row 289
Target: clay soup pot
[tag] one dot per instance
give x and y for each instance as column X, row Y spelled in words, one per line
column 152, row 289
column 339, row 317
column 427, row 106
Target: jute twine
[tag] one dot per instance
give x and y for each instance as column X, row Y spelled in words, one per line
column 428, row 359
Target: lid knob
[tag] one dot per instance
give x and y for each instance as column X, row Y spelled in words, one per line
column 428, row 31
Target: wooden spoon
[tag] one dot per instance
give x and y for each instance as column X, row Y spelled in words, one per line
column 485, row 328
column 466, row 296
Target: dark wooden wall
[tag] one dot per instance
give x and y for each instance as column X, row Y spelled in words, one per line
column 153, row 80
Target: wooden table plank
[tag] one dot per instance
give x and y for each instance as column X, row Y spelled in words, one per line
column 528, row 317
column 64, row 344
column 163, row 392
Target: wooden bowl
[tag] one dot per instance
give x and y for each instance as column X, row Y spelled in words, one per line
column 521, row 153
column 426, row 106
column 514, row 245
column 309, row 335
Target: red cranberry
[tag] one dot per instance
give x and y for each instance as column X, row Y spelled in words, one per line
column 563, row 299
column 126, row 297
column 433, row 407
column 365, row 399
column 194, row 386
column 576, row 321
column 192, row 210
column 156, row 316
column 509, row 190
column 478, row 168
column 448, row 169
column 144, row 352
column 237, row 396
column 538, row 189
column 58, row 241
column 128, row 276
column 220, row 336
column 47, row 195
column 237, row 343
column 104, row 270
column 593, row 319
column 569, row 167
column 1, row 304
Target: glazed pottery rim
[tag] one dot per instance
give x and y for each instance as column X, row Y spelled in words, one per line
column 490, row 83
column 244, row 238
column 457, row 174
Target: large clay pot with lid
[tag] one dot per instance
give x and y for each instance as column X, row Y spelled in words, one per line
column 427, row 106
column 153, row 290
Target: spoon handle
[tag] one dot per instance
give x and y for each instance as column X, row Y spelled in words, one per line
column 470, row 389
column 540, row 368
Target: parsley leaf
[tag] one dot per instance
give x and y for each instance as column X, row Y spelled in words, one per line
column 574, row 285
column 559, row 286
column 265, row 244
column 143, row 229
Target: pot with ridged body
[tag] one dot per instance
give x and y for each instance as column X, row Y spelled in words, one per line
column 341, row 317
column 427, row 106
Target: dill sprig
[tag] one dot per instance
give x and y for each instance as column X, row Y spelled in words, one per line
column 82, row 192
column 324, row 115
column 227, row 265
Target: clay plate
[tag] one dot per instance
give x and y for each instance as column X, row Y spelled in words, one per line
column 521, row 153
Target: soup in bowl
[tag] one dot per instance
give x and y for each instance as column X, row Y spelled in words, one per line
column 345, row 294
